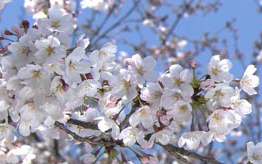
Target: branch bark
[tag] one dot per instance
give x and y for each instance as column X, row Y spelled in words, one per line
column 85, row 139
column 180, row 158
column 87, row 125
column 173, row 150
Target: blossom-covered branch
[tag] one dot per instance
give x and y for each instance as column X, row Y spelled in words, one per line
column 110, row 103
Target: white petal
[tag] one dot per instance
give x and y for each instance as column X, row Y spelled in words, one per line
column 134, row 120
column 24, row 128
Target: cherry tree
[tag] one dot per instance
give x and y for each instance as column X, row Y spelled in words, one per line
column 67, row 95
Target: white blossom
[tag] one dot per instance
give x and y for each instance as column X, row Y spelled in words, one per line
column 57, row 21
column 219, row 69
column 254, row 152
column 143, row 69
column 49, row 50
column 143, row 115
column 220, row 95
column 130, row 135
column 178, row 78
column 123, row 85
column 75, row 64
column 221, row 121
column 152, row 94
column 192, row 140
column 249, row 81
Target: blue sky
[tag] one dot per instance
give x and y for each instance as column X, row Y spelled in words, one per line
column 248, row 23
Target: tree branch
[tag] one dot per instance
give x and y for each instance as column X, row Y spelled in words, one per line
column 173, row 150
column 87, row 125
column 117, row 23
column 103, row 23
column 180, row 158
column 175, row 23
column 85, row 139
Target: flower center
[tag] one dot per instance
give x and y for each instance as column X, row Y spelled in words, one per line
column 140, row 70
column 36, row 74
column 132, row 134
column 177, row 96
column 25, row 50
column 183, row 108
column 256, row 157
column 126, row 83
column 157, row 94
column 218, row 94
column 217, row 117
column 178, row 81
column 50, row 50
column 247, row 82
column 55, row 23
column 215, row 70
column 2, row 129
column 72, row 65
column 102, row 53
column 143, row 112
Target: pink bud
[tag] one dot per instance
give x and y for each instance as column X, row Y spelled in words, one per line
column 193, row 63
column 149, row 159
column 111, row 104
column 153, row 160
column 128, row 61
column 145, row 160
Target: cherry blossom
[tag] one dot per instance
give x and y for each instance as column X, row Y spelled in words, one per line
column 152, row 94
column 219, row 69
column 143, row 115
column 254, row 152
column 143, row 69
column 249, row 81
column 98, row 100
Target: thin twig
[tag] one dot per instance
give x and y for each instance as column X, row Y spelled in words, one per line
column 117, row 23
column 175, row 23
column 103, row 23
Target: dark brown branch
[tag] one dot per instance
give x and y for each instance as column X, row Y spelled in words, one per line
column 87, row 125
column 173, row 150
column 84, row 139
column 56, row 148
column 170, row 148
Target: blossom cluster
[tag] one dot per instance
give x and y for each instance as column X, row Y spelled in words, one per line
column 11, row 153
column 39, row 7
column 45, row 81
